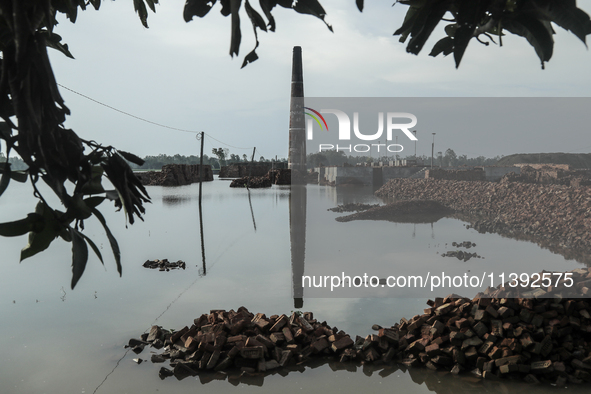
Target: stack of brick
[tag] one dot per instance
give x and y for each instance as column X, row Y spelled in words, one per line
column 499, row 333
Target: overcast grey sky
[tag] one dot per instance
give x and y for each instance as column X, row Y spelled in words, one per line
column 180, row 74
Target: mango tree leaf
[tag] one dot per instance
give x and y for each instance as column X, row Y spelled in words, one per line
column 267, row 6
column 33, row 222
column 80, row 209
column 79, row 256
column 445, row 46
column 566, row 15
column 152, row 4
column 131, row 157
column 112, row 240
column 142, row 11
column 19, row 176
column 257, row 22
column 54, row 41
column 94, row 185
column 40, row 240
column 427, row 20
column 198, row 8
column 5, row 179
column 96, row 4
column 132, row 193
column 236, row 35
column 359, row 5
column 409, row 20
column 94, row 248
column 535, row 32
column 311, row 7
column 5, row 131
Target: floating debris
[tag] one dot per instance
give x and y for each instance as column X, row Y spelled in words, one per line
column 164, row 265
column 353, row 207
column 464, row 244
column 461, row 255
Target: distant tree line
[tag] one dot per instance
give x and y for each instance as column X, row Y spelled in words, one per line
column 449, row 159
column 16, row 163
column 221, row 157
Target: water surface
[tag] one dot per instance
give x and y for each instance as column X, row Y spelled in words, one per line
column 55, row 340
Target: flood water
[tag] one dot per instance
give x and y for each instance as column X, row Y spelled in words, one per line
column 56, row 340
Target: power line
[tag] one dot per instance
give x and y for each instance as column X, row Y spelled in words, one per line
column 126, row 113
column 146, row 120
column 223, row 143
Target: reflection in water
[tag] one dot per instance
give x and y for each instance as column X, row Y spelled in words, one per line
column 251, row 211
column 175, row 200
column 440, row 382
column 297, row 233
column 555, row 246
column 203, row 270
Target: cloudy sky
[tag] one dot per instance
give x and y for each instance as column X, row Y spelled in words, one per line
column 180, row 75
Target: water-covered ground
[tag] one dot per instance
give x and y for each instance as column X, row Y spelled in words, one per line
column 56, row 340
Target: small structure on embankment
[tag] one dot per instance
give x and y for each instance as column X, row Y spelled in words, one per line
column 377, row 176
column 175, row 175
column 239, row 170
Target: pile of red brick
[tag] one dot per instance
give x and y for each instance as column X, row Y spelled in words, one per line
column 497, row 334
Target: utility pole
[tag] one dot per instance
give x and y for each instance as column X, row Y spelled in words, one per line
column 201, row 136
column 250, row 168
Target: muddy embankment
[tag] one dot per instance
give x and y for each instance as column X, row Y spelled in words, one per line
column 557, row 217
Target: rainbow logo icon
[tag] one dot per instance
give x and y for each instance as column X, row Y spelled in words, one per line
column 316, row 119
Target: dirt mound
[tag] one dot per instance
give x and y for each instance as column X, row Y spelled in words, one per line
column 416, row 211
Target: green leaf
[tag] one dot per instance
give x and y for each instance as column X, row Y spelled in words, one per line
column 54, row 41
column 94, row 248
column 198, row 8
column 93, row 202
column 409, row 20
column 311, row 7
column 420, row 33
column 40, row 240
column 19, row 176
column 445, row 46
column 131, row 157
column 535, row 32
column 152, row 4
column 112, row 240
column 359, row 5
column 251, row 57
column 32, row 222
column 256, row 18
column 79, row 256
column 5, row 180
column 267, row 6
column 5, row 131
column 96, row 4
column 142, row 11
column 569, row 17
column 236, row 35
